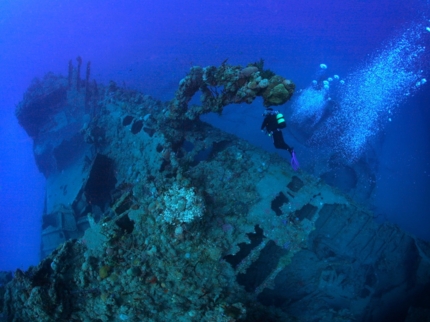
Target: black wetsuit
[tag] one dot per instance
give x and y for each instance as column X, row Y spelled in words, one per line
column 270, row 123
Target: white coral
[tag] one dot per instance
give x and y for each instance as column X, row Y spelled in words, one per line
column 182, row 205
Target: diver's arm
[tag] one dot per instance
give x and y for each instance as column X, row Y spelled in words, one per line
column 264, row 124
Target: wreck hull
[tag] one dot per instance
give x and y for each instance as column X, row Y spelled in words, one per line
column 172, row 219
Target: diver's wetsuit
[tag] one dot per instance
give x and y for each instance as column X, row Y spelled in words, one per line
column 271, row 125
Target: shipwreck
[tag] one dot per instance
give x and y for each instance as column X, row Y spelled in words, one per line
column 153, row 215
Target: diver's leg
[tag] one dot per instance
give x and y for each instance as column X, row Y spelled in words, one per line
column 278, row 140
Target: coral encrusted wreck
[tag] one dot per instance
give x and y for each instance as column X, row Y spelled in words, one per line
column 153, row 215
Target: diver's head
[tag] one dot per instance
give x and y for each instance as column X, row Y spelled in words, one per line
column 268, row 111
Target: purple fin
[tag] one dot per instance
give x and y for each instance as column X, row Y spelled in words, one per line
column 294, row 162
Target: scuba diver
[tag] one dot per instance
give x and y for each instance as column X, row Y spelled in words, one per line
column 272, row 125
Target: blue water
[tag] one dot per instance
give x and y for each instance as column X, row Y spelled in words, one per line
column 377, row 48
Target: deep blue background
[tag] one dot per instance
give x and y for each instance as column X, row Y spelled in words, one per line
column 150, row 45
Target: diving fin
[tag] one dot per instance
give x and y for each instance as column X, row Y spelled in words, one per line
column 294, row 162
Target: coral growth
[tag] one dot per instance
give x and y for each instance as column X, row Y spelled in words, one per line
column 227, row 84
column 182, row 205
